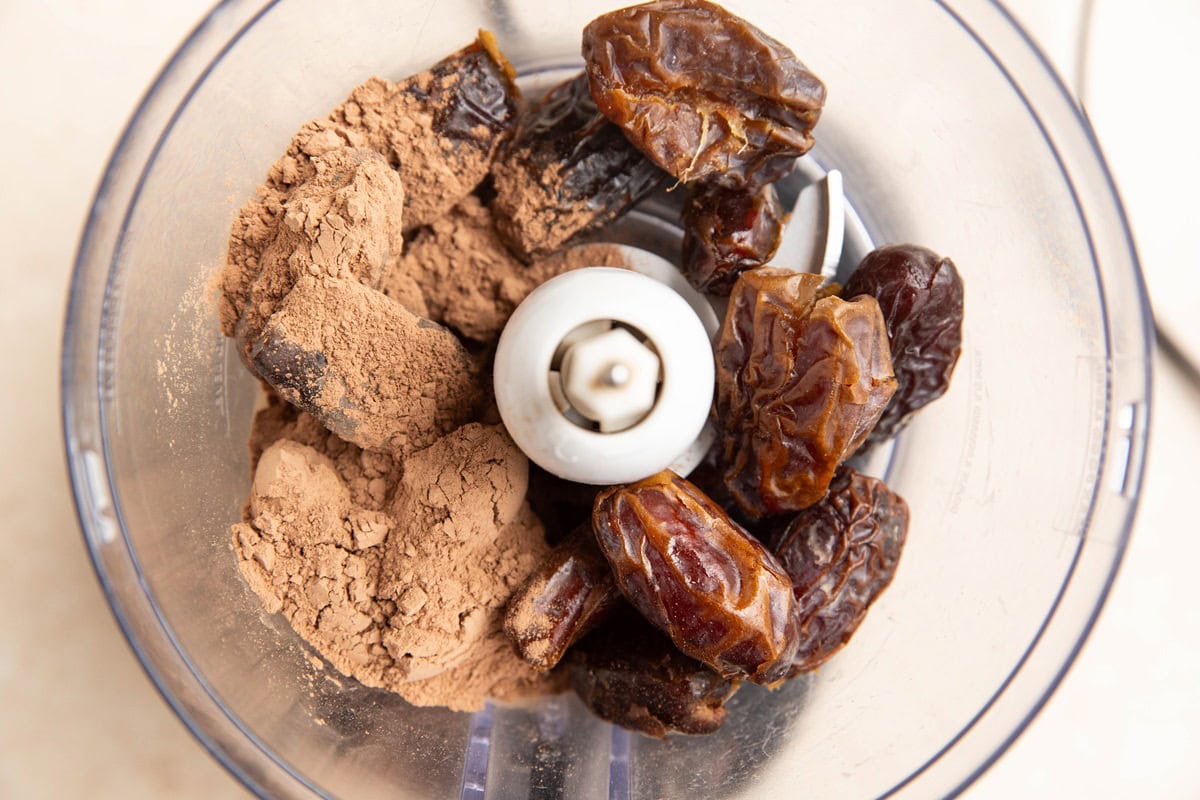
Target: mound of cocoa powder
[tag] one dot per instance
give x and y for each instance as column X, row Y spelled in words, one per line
column 387, row 519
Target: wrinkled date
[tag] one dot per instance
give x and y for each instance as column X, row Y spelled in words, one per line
column 921, row 296
column 801, row 380
column 698, row 577
column 471, row 101
column 317, row 366
column 632, row 675
column 841, row 554
column 569, row 594
column 728, row 231
column 480, row 101
column 703, row 93
column 568, row 171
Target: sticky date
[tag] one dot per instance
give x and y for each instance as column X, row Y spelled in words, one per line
column 632, row 675
column 568, row 171
column 841, row 554
column 698, row 577
column 801, row 381
column 728, row 231
column 470, row 101
column 703, row 93
column 921, row 296
column 572, row 592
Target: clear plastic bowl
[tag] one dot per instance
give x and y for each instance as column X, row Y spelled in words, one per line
column 951, row 131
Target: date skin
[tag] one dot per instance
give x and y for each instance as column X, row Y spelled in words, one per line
column 921, row 296
column 699, row 577
column 633, row 676
column 471, row 101
column 801, row 380
column 703, row 93
column 841, row 554
column 571, row 593
column 728, row 231
column 569, row 171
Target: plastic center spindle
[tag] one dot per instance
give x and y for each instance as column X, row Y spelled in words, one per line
column 611, row 379
column 605, row 376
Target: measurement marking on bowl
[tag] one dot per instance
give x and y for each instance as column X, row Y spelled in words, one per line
column 1118, row 478
column 475, row 764
column 106, row 522
column 619, row 787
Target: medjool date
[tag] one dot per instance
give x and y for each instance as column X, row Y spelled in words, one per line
column 728, row 231
column 630, row 674
column 572, row 592
column 342, row 352
column 921, row 296
column 703, row 93
column 841, row 554
column 568, row 171
column 801, row 381
column 698, row 577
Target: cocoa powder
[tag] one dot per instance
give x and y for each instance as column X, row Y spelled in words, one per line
column 397, row 121
column 387, row 520
column 404, row 593
column 468, row 280
column 373, row 372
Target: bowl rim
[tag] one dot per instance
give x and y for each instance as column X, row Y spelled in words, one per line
column 263, row 771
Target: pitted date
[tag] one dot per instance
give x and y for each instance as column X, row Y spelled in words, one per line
column 728, row 231
column 703, row 93
column 480, row 97
column 841, row 554
column 571, row 593
column 632, row 675
column 471, row 103
column 801, row 381
column 921, row 296
column 569, row 171
column 698, row 577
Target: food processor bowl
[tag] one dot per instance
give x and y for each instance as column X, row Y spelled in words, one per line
column 950, row 130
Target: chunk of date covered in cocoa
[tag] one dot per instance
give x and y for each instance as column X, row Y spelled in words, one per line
column 453, row 120
column 568, row 171
column 703, row 93
column 728, row 231
column 801, row 380
column 345, row 353
column 345, row 221
column 630, row 674
column 841, row 554
column 571, row 593
column 698, row 576
column 921, row 296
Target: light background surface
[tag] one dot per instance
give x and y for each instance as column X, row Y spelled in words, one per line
column 78, row 717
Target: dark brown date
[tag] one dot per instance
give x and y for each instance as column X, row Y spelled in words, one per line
column 572, row 592
column 632, row 675
column 561, row 505
column 800, row 383
column 703, row 93
column 568, row 171
column 316, row 360
column 841, row 554
column 728, row 231
column 921, row 296
column 698, row 577
column 470, row 101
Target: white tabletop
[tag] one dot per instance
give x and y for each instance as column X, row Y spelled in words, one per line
column 78, row 718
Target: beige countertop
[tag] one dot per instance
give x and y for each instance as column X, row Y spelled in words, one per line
column 78, row 717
